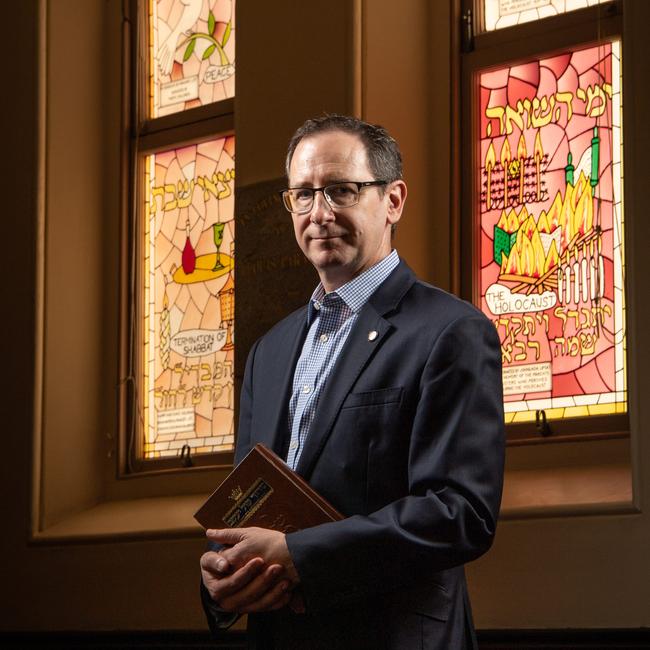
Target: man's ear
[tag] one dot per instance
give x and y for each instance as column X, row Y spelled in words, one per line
column 396, row 197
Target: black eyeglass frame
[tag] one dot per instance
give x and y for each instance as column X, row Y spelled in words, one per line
column 359, row 184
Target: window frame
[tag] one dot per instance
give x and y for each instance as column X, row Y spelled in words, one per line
column 142, row 136
column 480, row 50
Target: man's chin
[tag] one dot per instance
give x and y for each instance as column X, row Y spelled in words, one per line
column 327, row 260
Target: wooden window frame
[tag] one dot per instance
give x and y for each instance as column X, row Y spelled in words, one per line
column 478, row 50
column 142, row 136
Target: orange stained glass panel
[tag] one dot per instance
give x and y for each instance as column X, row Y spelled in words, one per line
column 188, row 270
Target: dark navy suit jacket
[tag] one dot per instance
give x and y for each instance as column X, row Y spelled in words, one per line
column 408, row 443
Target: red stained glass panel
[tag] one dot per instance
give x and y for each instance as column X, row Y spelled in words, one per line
column 551, row 271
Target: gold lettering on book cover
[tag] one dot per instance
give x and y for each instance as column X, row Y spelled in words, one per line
column 248, row 504
column 236, row 494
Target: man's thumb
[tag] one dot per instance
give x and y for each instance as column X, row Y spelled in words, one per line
column 229, row 536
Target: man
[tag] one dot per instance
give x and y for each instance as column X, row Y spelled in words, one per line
column 385, row 394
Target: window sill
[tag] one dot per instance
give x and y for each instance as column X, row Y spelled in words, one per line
column 592, row 489
column 148, row 518
column 528, row 492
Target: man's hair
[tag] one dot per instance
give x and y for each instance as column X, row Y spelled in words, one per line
column 384, row 156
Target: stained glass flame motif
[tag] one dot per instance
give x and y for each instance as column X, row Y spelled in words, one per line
column 506, row 13
column 551, row 215
column 192, row 53
column 189, row 299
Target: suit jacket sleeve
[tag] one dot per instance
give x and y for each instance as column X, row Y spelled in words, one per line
column 244, row 433
column 218, row 619
column 455, row 470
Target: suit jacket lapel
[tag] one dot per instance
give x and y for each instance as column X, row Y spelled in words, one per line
column 355, row 355
column 273, row 420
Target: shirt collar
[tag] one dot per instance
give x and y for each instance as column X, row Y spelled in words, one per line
column 357, row 291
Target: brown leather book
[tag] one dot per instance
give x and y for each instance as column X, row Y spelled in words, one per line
column 263, row 491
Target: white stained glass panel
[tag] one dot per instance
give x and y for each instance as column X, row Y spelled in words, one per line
column 192, row 54
column 506, row 13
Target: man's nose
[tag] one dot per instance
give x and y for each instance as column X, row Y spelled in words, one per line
column 321, row 211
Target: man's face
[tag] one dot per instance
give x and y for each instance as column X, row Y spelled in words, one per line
column 342, row 242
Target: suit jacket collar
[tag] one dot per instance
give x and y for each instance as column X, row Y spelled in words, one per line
column 364, row 340
column 392, row 290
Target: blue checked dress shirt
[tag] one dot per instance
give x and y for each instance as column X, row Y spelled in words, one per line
column 330, row 318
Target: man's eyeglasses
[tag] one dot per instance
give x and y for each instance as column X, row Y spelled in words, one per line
column 300, row 200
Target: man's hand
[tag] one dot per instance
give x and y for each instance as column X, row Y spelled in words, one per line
column 254, row 587
column 246, row 544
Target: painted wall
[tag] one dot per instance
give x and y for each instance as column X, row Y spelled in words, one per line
column 587, row 571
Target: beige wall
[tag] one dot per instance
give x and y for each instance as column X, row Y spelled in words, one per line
column 572, row 571
column 405, row 81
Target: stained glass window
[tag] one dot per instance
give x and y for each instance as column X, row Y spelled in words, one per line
column 189, row 299
column 551, row 239
column 192, row 53
column 506, row 13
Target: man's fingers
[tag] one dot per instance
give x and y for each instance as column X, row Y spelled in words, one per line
column 276, row 597
column 214, row 563
column 222, row 587
column 242, row 577
column 239, row 599
column 229, row 536
column 235, row 555
column 251, row 573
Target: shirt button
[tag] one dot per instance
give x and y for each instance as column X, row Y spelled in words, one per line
column 323, row 338
column 293, row 445
column 306, row 389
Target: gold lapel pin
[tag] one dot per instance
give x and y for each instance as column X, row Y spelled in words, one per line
column 372, row 335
